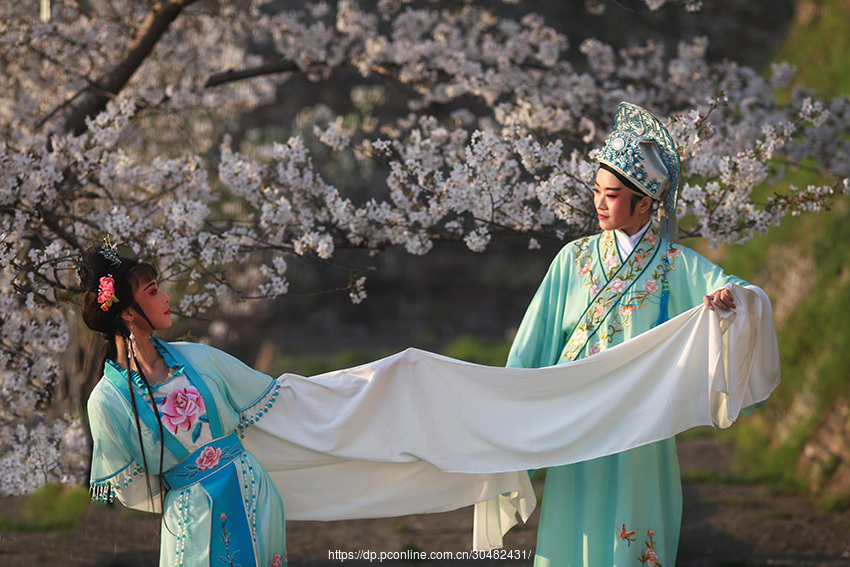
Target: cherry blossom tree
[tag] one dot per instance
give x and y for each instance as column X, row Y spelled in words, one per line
column 123, row 119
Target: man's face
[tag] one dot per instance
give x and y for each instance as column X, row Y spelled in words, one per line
column 612, row 200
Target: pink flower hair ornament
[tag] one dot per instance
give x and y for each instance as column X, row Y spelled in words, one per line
column 106, row 292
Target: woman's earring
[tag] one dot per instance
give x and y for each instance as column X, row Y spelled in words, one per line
column 132, row 342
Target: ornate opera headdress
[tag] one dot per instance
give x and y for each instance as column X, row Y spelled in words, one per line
column 641, row 149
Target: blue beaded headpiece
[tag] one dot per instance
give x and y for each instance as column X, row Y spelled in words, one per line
column 108, row 252
column 641, row 149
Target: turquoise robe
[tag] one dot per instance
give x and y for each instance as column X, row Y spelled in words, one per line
column 221, row 507
column 592, row 299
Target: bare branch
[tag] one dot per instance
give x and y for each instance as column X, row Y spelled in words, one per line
column 231, row 75
column 96, row 96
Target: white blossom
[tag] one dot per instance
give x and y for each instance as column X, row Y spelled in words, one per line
column 357, row 290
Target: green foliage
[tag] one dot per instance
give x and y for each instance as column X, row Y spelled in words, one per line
column 478, row 350
column 313, row 364
column 814, row 333
column 400, row 528
column 52, row 507
column 465, row 347
column 835, row 503
column 814, row 340
column 817, row 44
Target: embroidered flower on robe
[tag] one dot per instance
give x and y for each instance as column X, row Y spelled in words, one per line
column 597, row 347
column 182, row 408
column 208, row 459
column 651, row 286
column 650, row 558
column 618, row 285
column 579, row 336
column 611, row 261
column 627, row 309
column 625, row 534
column 673, row 252
column 584, row 269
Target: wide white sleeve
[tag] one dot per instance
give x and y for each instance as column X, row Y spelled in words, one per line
column 383, row 438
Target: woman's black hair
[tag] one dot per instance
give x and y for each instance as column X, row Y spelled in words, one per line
column 128, row 275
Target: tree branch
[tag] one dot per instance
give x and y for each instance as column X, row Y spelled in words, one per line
column 95, row 97
column 231, row 76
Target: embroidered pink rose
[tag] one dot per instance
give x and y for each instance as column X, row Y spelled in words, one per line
column 600, row 309
column 640, row 259
column 594, row 289
column 182, row 408
column 584, row 269
column 618, row 285
column 276, row 561
column 627, row 309
column 651, row 286
column 596, row 348
column 651, row 238
column 610, row 261
column 673, row 252
column 208, row 459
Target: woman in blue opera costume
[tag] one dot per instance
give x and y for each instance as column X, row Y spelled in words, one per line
column 185, row 459
column 599, row 292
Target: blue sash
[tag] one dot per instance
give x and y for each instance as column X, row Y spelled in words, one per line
column 195, row 468
column 232, row 535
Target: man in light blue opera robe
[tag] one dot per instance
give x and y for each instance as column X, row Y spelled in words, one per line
column 599, row 292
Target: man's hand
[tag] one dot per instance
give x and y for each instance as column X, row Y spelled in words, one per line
column 722, row 298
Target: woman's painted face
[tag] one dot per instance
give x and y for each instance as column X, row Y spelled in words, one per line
column 612, row 200
column 155, row 303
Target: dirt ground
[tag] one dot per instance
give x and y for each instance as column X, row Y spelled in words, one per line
column 724, row 525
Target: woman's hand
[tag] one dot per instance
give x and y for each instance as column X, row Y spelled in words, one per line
column 722, row 298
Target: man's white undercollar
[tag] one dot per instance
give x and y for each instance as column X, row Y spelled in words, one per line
column 627, row 243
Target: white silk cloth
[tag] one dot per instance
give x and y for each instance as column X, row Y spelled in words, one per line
column 418, row 432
